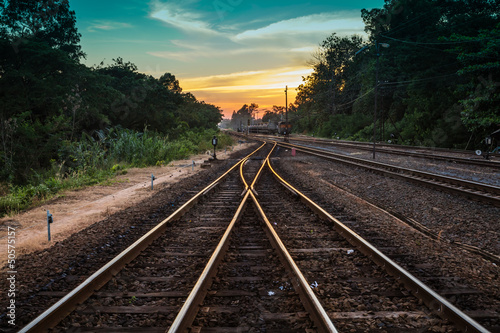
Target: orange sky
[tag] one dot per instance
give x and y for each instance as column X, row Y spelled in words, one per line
column 264, row 87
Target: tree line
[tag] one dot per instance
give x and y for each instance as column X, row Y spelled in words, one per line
column 50, row 100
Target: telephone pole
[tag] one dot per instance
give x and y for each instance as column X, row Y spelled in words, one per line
column 286, row 113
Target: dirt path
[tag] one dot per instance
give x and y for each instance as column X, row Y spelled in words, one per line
column 77, row 209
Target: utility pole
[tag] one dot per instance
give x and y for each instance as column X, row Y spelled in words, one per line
column 376, row 95
column 286, row 113
column 377, row 54
column 377, row 50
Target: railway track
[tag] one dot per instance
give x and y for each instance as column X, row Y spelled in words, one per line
column 473, row 190
column 69, row 302
column 250, row 283
column 439, row 154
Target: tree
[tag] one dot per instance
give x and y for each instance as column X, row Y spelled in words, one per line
column 243, row 115
column 170, row 82
column 198, row 114
column 275, row 115
column 479, row 56
column 332, row 85
column 50, row 21
column 49, row 100
column 33, row 84
column 420, row 98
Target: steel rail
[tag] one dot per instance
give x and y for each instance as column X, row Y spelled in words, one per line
column 259, row 173
column 446, row 179
column 186, row 315
column 190, row 308
column 391, row 149
column 53, row 315
column 241, row 175
column 488, row 193
column 383, row 144
column 318, row 314
column 432, row 299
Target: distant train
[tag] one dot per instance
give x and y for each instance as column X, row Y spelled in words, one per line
column 284, row 127
column 265, row 128
column 281, row 127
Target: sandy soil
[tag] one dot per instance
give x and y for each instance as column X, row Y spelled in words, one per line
column 77, row 209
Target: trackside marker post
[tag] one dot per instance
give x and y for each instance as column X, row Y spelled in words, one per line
column 49, row 221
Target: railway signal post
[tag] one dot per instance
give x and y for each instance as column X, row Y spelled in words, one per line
column 214, row 143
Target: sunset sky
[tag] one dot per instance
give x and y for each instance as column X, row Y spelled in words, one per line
column 225, row 52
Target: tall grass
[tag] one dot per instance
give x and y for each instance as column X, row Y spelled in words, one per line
column 95, row 158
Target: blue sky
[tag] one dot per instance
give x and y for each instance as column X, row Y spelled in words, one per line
column 226, row 52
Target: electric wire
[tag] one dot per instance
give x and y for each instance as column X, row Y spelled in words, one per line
column 439, row 43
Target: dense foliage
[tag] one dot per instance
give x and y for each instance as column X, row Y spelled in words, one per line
column 438, row 76
column 53, row 107
column 94, row 159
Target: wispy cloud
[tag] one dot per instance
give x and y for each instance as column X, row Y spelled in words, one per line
column 293, row 39
column 190, row 54
column 107, row 25
column 264, row 87
column 261, row 56
column 239, row 82
column 348, row 22
column 178, row 15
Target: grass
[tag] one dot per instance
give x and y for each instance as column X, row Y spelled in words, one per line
column 91, row 161
column 22, row 197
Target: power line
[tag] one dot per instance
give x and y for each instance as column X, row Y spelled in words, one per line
column 406, row 24
column 425, row 46
column 439, row 43
column 418, row 80
column 449, row 26
column 357, row 98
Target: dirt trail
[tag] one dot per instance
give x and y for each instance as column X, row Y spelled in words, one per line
column 77, row 209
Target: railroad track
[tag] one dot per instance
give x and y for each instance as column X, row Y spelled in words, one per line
column 418, row 152
column 438, row 154
column 69, row 302
column 473, row 190
column 147, row 284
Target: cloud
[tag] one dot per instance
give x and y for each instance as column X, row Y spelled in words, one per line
column 341, row 22
column 176, row 15
column 275, row 78
column 307, row 49
column 231, row 91
column 209, row 49
column 289, row 41
column 107, row 25
column 258, row 62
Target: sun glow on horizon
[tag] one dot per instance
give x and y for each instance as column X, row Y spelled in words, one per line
column 265, row 87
